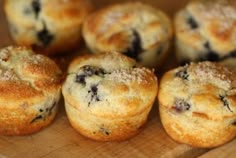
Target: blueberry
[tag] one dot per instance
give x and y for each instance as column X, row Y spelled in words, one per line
column 180, row 106
column 136, row 47
column 233, row 54
column 44, row 36
column 87, row 71
column 225, row 102
column 36, row 7
column 211, row 54
column 183, row 73
column 80, row 79
column 92, row 70
column 94, row 94
column 44, row 113
column 234, row 123
column 192, row 22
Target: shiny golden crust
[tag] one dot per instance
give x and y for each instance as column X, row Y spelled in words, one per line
column 62, row 20
column 136, row 29
column 72, row 12
column 202, row 22
column 197, row 104
column 28, row 83
column 108, row 91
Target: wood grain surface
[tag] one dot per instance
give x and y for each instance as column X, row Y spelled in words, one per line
column 60, row 140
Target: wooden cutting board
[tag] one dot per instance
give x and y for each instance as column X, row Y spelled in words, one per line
column 61, row 140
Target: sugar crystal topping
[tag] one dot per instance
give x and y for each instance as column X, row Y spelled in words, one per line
column 138, row 75
column 4, row 54
column 36, row 59
column 127, row 16
column 207, row 72
column 7, row 75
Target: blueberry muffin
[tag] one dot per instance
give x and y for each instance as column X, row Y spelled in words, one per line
column 107, row 96
column 134, row 29
column 30, row 87
column 48, row 26
column 206, row 30
column 197, row 104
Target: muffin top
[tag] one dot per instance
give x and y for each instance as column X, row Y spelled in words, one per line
column 26, row 76
column 119, row 26
column 212, row 21
column 109, row 85
column 27, row 12
column 206, row 90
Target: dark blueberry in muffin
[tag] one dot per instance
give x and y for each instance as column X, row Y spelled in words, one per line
column 192, row 22
column 135, row 48
column 44, row 36
column 36, row 7
column 233, row 54
column 94, row 94
column 37, row 118
column 87, row 71
column 44, row 113
column 180, row 106
column 211, row 54
column 225, row 102
column 92, row 70
column 80, row 79
column 234, row 123
column 183, row 73
column 159, row 50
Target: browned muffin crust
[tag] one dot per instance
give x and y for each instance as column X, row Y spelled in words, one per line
column 49, row 27
column 29, row 91
column 197, row 104
column 108, row 96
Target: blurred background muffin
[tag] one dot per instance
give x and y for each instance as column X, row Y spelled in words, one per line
column 48, row 26
column 197, row 104
column 206, row 30
column 134, row 29
column 30, row 89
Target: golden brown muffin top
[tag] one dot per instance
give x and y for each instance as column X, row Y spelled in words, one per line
column 26, row 75
column 109, row 85
column 112, row 28
column 70, row 12
column 214, row 21
column 66, row 10
column 205, row 89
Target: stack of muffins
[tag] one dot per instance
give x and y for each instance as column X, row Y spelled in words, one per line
column 109, row 93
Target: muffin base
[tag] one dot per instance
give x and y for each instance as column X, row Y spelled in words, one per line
column 105, row 129
column 196, row 131
column 28, row 119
